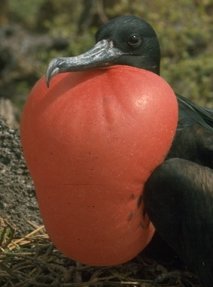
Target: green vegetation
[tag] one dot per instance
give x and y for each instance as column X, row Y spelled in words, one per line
column 184, row 28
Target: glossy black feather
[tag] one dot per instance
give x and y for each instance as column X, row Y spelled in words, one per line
column 178, row 198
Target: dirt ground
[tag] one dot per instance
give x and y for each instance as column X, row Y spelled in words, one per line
column 28, row 258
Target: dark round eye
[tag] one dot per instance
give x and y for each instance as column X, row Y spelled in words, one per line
column 134, row 40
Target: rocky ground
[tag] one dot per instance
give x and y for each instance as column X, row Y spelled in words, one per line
column 18, row 206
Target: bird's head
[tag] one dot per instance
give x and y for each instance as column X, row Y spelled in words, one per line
column 125, row 40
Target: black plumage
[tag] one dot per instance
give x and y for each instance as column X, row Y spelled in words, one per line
column 178, row 196
column 179, row 200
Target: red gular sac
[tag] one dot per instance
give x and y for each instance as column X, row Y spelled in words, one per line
column 91, row 141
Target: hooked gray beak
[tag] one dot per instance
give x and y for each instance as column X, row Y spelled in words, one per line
column 102, row 54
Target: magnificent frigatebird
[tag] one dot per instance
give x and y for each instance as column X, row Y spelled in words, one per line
column 178, row 196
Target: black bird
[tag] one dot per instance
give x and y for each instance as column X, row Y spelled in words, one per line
column 178, row 196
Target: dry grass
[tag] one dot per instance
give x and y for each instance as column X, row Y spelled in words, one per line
column 33, row 261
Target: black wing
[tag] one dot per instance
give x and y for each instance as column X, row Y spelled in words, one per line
column 179, row 201
column 200, row 114
column 178, row 196
column 194, row 135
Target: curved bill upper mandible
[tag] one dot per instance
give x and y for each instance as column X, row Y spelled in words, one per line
column 102, row 54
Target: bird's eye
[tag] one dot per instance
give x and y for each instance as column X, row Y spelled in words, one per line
column 134, row 40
